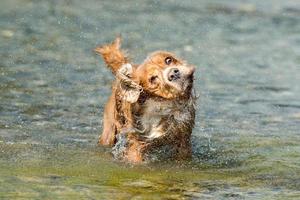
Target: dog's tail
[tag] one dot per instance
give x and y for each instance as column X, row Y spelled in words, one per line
column 113, row 56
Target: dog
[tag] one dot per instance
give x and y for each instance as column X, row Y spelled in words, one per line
column 151, row 111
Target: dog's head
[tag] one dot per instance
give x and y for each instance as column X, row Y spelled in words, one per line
column 163, row 74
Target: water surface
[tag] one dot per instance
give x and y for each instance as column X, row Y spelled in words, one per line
column 246, row 143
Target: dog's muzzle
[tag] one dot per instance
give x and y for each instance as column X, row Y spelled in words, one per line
column 174, row 74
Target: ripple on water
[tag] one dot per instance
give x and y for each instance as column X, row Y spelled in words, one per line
column 53, row 89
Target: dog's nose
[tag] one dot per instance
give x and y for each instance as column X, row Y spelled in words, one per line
column 174, row 74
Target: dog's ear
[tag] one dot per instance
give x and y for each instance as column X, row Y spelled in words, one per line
column 117, row 43
column 113, row 56
column 130, row 89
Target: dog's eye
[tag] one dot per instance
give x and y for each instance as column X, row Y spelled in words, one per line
column 153, row 78
column 168, row 60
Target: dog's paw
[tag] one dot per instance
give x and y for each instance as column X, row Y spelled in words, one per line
column 126, row 70
column 130, row 90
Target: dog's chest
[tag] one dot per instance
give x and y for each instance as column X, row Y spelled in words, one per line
column 156, row 113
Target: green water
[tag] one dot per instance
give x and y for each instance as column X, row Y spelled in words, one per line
column 246, row 143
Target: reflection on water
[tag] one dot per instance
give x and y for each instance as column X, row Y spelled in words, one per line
column 53, row 88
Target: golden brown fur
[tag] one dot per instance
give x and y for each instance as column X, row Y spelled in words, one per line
column 150, row 113
column 112, row 55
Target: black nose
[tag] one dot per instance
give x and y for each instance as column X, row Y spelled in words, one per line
column 174, row 74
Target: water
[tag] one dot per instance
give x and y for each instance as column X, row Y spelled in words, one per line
column 53, row 88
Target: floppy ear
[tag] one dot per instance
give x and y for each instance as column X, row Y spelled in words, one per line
column 113, row 56
column 130, row 90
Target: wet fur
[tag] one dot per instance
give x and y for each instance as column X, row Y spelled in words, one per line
column 158, row 125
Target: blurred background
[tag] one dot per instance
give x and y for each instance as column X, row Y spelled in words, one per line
column 246, row 143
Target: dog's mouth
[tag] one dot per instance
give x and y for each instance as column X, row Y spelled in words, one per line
column 180, row 78
column 188, row 84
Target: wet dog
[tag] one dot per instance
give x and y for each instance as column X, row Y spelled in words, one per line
column 151, row 111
